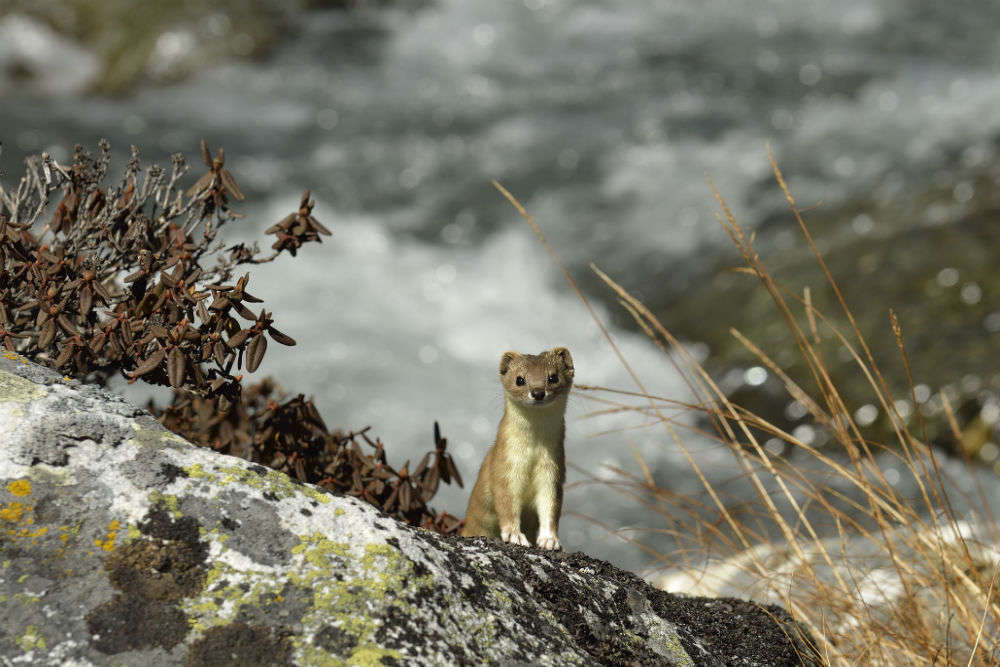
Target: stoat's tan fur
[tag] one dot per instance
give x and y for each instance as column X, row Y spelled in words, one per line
column 518, row 494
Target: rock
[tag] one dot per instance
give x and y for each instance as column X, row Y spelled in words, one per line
column 36, row 59
column 153, row 42
column 770, row 574
column 119, row 45
column 123, row 544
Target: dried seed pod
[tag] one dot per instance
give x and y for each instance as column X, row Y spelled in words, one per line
column 47, row 334
column 423, row 465
column 66, row 325
column 230, row 185
column 429, row 485
column 86, row 300
column 279, row 337
column 150, row 364
column 219, row 352
column 452, row 469
column 175, row 367
column 405, row 495
column 239, row 338
column 97, row 343
column 206, row 155
column 245, row 312
column 102, row 291
column 64, row 356
column 158, row 331
column 255, row 352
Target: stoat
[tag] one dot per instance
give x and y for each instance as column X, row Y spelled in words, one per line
column 518, row 494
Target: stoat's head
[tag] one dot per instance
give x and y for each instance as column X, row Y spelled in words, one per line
column 536, row 379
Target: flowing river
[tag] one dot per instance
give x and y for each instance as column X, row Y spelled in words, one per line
column 603, row 118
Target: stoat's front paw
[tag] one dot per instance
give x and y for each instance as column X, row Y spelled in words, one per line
column 514, row 537
column 548, row 541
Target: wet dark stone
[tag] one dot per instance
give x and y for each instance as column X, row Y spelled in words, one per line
column 129, row 623
column 152, row 574
column 242, row 645
column 161, row 525
column 335, row 641
column 170, row 472
column 157, row 570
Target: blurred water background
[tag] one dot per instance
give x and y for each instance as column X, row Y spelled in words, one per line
column 603, row 118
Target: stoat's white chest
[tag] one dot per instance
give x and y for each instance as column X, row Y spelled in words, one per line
column 533, row 450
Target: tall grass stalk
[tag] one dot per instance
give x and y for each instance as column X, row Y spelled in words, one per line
column 876, row 577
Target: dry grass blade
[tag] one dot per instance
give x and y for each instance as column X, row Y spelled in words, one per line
column 576, row 288
column 890, row 579
column 982, row 622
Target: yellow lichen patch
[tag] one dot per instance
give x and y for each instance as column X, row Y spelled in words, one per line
column 13, row 512
column 108, row 543
column 18, row 521
column 31, row 639
column 167, row 500
column 264, row 479
column 502, row 598
column 14, row 356
column 20, row 487
column 197, row 471
column 219, row 605
column 18, row 390
column 51, row 475
column 155, row 437
column 66, row 533
column 355, row 603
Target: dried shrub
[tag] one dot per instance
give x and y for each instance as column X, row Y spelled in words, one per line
column 288, row 434
column 133, row 280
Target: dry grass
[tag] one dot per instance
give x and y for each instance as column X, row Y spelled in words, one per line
column 878, row 578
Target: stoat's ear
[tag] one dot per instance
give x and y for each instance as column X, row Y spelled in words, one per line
column 506, row 360
column 567, row 359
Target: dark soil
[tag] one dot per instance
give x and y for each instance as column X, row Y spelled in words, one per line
column 153, row 573
column 129, row 623
column 242, row 645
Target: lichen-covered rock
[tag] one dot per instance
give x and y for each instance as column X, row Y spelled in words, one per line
column 122, row 544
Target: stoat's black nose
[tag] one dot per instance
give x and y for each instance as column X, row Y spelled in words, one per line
column 538, row 394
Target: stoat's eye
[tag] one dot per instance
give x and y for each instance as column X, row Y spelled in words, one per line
column 553, row 378
column 520, row 381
